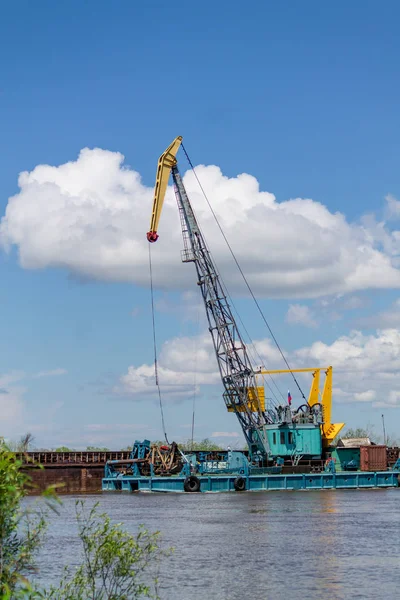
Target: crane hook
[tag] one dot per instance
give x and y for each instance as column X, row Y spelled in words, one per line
column 152, row 236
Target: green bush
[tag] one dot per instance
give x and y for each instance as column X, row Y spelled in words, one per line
column 116, row 564
column 21, row 532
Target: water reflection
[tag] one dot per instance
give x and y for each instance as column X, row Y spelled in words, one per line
column 326, row 563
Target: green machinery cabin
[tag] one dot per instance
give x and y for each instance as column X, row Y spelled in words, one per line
column 292, row 440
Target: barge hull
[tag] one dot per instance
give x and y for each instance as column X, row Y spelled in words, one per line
column 256, row 483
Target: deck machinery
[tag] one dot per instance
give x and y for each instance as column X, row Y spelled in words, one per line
column 274, row 433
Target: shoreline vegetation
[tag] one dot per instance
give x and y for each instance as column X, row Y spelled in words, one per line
column 116, row 565
column 26, row 443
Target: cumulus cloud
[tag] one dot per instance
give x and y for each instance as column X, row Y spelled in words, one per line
column 11, row 399
column 190, row 306
column 110, row 427
column 14, row 409
column 384, row 319
column 184, row 363
column 365, row 366
column 90, row 217
column 300, row 314
column 392, row 207
column 11, row 407
column 51, row 373
column 352, row 303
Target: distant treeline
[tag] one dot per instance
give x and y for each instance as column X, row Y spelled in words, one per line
column 26, row 443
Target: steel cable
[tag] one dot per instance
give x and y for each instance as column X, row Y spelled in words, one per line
column 155, row 346
column 242, row 273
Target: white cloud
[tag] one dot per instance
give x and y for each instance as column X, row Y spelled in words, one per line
column 11, row 401
column 384, row 319
column 300, row 314
column 11, row 407
column 52, row 373
column 184, row 363
column 365, row 367
column 366, row 396
column 341, row 302
column 390, row 401
column 140, row 381
column 14, row 405
column 189, row 306
column 353, row 303
column 90, row 217
column 228, row 434
column 110, row 427
column 392, row 207
column 266, row 350
column 10, row 378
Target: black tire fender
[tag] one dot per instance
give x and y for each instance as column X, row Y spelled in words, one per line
column 239, row 484
column 191, row 484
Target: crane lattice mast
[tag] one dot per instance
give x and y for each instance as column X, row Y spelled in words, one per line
column 241, row 394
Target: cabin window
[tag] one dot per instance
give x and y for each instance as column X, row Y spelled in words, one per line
column 282, row 437
column 290, row 436
column 274, row 437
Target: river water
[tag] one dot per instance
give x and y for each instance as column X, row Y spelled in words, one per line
column 267, row 545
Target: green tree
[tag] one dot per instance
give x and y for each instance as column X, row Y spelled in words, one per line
column 97, row 449
column 24, row 444
column 21, row 532
column 64, row 449
column 361, row 432
column 392, row 441
column 205, row 444
column 369, row 432
column 126, row 449
column 116, row 564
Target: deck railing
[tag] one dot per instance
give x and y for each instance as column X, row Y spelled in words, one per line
column 71, row 458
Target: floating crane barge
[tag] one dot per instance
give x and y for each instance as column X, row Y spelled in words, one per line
column 276, row 435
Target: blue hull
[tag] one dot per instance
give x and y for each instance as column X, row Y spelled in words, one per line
column 225, row 483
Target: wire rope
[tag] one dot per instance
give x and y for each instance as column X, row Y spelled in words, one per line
column 242, row 273
column 194, row 380
column 155, row 347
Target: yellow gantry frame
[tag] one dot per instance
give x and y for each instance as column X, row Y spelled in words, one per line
column 329, row 430
column 166, row 161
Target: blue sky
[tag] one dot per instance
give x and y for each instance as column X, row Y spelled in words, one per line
column 301, row 96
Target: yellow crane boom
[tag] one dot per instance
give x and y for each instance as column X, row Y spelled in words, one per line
column 166, row 161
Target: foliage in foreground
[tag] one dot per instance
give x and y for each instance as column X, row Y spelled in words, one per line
column 21, row 532
column 116, row 565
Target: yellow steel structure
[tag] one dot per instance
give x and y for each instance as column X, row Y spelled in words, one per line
column 256, row 401
column 166, row 161
column 329, row 430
